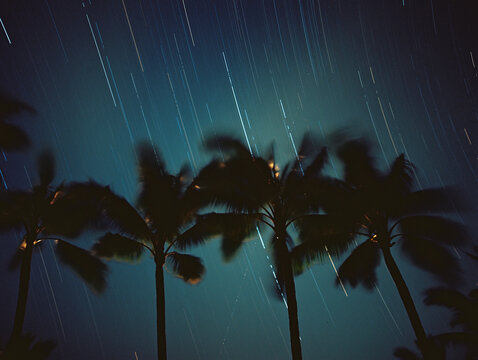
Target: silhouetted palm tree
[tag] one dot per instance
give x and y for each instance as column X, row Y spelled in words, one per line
column 12, row 137
column 254, row 192
column 36, row 213
column 165, row 211
column 465, row 315
column 386, row 210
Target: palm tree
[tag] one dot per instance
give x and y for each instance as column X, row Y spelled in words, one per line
column 165, row 211
column 465, row 315
column 41, row 217
column 385, row 210
column 255, row 192
column 12, row 137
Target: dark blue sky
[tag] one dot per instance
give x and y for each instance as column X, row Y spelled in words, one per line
column 106, row 74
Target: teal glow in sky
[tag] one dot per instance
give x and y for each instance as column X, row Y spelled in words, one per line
column 103, row 75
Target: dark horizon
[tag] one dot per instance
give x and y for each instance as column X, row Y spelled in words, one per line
column 103, row 76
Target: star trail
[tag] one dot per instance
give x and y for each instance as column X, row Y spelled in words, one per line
column 105, row 75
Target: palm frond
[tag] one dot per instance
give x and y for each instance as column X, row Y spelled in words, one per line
column 227, row 144
column 91, row 269
column 239, row 184
column 16, row 260
column 206, row 226
column 304, row 153
column 74, row 208
column 305, row 254
column 435, row 228
column 235, row 229
column 88, row 204
column 458, row 338
column 12, row 137
column 46, row 168
column 160, row 193
column 10, row 107
column 15, row 209
column 188, row 267
column 359, row 165
column 151, row 165
column 434, row 350
column 445, row 199
column 123, row 216
column 465, row 310
column 471, row 255
column 229, row 249
column 334, row 231
column 400, row 178
column 360, row 267
column 318, row 164
column 405, row 354
column 118, row 247
column 449, row 298
column 432, row 257
column 26, row 348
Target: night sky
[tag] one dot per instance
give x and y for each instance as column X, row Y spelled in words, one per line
column 105, row 74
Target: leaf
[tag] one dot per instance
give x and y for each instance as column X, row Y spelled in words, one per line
column 89, row 205
column 16, row 260
column 228, row 144
column 304, row 153
column 360, row 267
column 334, row 231
column 433, row 258
column 435, row 228
column 46, row 168
column 405, row 354
column 10, row 107
column 205, row 227
column 123, row 216
column 449, row 298
column 26, row 348
column 187, row 267
column 318, row 164
column 433, row 349
column 151, row 165
column 460, row 338
column 241, row 184
column 161, row 193
column 15, row 209
column 74, row 208
column 118, row 247
column 235, row 230
column 465, row 310
column 359, row 165
column 84, row 264
column 400, row 178
column 12, row 137
column 445, row 199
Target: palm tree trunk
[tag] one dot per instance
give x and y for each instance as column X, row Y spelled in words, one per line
column 292, row 311
column 23, row 286
column 160, row 311
column 284, row 262
column 407, row 302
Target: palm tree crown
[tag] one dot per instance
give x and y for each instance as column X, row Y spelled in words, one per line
column 42, row 216
column 385, row 210
column 256, row 192
column 166, row 210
